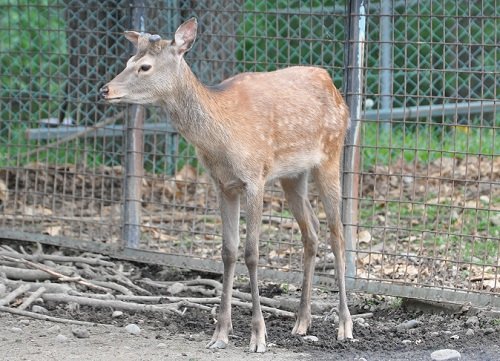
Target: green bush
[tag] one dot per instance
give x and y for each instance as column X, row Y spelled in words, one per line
column 32, row 59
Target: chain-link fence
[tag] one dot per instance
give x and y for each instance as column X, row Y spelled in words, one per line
column 421, row 190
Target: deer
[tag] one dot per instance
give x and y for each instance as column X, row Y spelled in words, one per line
column 251, row 128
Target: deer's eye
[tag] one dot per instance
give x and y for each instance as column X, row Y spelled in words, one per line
column 145, row 67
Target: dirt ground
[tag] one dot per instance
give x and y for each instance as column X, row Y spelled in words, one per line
column 184, row 339
column 386, row 335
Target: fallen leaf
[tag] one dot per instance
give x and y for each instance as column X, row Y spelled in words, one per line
column 53, row 230
column 364, row 237
column 186, row 174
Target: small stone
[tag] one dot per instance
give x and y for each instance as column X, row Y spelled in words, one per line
column 406, row 342
column 61, row 338
column 24, row 322
column 133, row 329
column 16, row 330
column 407, row 180
column 176, row 288
column 116, row 314
column 489, row 330
column 39, row 309
column 364, row 237
column 54, row 329
column 50, row 263
column 80, row 332
column 407, row 325
column 310, row 338
column 359, row 320
column 454, row 337
column 434, row 334
column 472, row 321
column 470, row 332
column 161, row 345
column 445, row 355
column 485, row 199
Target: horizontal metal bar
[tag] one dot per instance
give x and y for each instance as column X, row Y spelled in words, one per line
column 78, row 244
column 428, row 111
column 425, row 293
column 419, row 111
column 109, row 131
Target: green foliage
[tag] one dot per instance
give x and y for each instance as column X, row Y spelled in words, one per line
column 441, row 50
column 32, row 57
column 424, row 143
column 279, row 33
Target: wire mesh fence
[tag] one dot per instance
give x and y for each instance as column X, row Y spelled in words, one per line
column 427, row 194
column 429, row 191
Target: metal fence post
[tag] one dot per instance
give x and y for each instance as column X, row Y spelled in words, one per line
column 386, row 45
column 134, row 164
column 353, row 83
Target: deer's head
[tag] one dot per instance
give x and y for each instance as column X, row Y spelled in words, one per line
column 155, row 70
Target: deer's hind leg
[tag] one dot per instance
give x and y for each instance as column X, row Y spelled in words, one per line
column 327, row 178
column 296, row 195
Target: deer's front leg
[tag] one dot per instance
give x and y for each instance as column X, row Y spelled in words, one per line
column 254, row 218
column 230, row 213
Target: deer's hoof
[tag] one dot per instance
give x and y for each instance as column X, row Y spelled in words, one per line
column 345, row 329
column 217, row 344
column 259, row 336
column 301, row 327
column 257, row 347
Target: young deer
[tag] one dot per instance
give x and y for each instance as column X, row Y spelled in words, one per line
column 248, row 129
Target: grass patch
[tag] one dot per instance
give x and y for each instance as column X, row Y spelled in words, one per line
column 424, row 143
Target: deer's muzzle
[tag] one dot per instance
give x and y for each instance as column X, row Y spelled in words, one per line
column 104, row 91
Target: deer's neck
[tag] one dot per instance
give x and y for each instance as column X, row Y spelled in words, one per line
column 191, row 107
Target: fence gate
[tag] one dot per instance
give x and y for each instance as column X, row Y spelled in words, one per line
column 421, row 170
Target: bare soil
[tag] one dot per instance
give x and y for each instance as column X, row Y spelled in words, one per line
column 183, row 337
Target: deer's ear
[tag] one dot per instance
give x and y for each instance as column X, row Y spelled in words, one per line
column 133, row 37
column 185, row 35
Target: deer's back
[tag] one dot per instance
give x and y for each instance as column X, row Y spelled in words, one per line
column 288, row 120
column 293, row 98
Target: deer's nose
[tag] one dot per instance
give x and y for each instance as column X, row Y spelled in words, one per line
column 104, row 91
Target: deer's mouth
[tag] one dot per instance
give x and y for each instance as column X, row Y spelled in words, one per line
column 108, row 95
column 112, row 99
